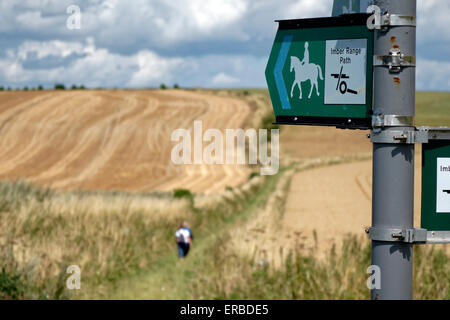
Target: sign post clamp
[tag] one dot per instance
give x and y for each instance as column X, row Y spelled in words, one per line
column 413, row 236
column 395, row 61
column 395, row 20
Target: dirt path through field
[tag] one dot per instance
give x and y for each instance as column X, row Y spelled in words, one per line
column 325, row 204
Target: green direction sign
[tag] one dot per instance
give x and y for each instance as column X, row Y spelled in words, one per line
column 320, row 72
column 436, row 186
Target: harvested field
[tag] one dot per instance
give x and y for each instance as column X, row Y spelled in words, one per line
column 304, row 142
column 113, row 140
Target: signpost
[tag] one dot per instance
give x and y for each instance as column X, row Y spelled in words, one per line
column 339, row 72
column 320, row 72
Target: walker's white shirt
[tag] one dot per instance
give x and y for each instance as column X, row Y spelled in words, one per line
column 182, row 234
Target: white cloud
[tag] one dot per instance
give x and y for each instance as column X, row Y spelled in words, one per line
column 224, row 79
column 433, row 75
column 152, row 68
column 213, row 13
column 54, row 48
column 97, row 68
column 192, row 42
column 158, row 23
column 308, row 8
column 433, row 21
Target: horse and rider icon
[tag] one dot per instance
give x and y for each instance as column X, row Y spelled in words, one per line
column 304, row 71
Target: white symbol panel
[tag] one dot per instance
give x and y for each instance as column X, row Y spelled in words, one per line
column 346, row 71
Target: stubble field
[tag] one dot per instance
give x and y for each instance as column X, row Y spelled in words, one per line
column 113, row 140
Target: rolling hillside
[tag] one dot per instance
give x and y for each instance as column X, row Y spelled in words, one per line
column 112, row 140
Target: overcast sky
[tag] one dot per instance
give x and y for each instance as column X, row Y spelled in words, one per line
column 195, row 43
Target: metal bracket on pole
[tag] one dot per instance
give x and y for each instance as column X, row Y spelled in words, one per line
column 435, row 133
column 380, row 120
column 398, row 235
column 418, row 236
column 410, row 135
column 395, row 20
column 395, row 61
column 438, row 237
column 399, row 136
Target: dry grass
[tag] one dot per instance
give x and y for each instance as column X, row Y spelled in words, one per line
column 302, row 276
column 108, row 236
column 259, row 236
column 281, row 225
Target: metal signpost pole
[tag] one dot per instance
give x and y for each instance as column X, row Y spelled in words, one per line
column 361, row 73
column 393, row 156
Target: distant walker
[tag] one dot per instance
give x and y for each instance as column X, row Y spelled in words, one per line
column 184, row 239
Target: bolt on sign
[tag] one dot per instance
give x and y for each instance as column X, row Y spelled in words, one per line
column 320, row 72
column 436, row 186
